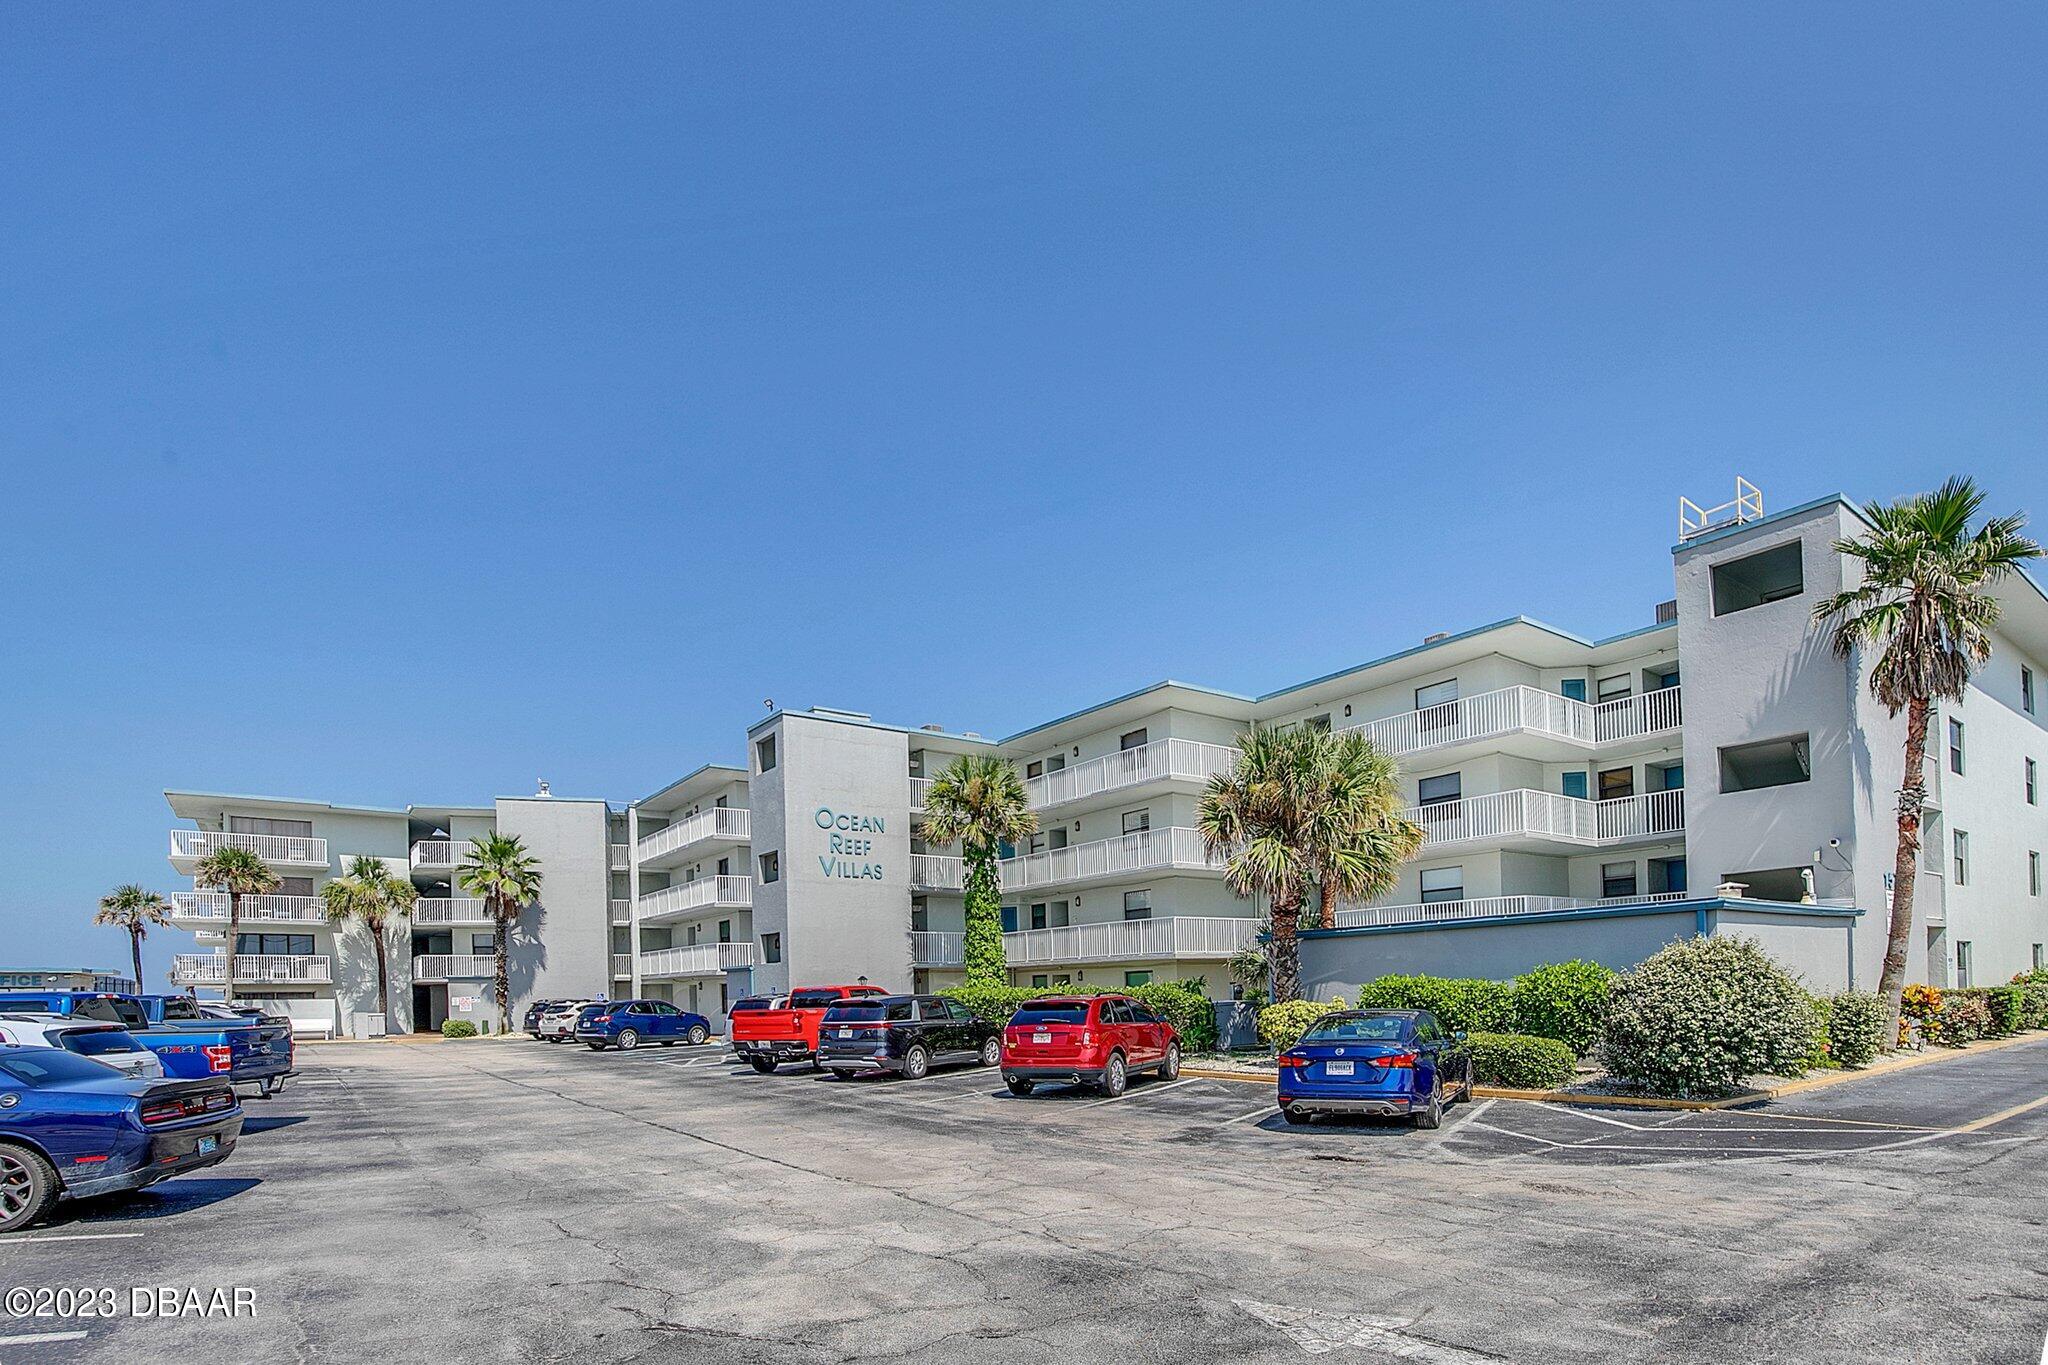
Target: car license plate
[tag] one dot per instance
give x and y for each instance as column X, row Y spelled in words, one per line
column 845, row 1033
column 208, row 1144
column 1041, row 1037
column 1337, row 1068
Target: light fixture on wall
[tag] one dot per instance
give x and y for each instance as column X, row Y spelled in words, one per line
column 1077, row 751
column 1347, row 708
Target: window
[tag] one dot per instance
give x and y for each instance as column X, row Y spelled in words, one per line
column 1137, row 821
column 1572, row 688
column 1137, row 978
column 764, row 754
column 1667, row 875
column 1783, row 884
column 1034, row 770
column 920, row 915
column 1614, row 688
column 1573, row 784
column 2033, row 874
column 771, row 867
column 1055, row 762
column 1138, row 904
column 1434, row 791
column 1963, row 956
column 1768, row 763
column 1321, row 722
column 2037, row 957
column 725, row 931
column 1132, row 739
column 1768, row 576
column 1664, row 678
column 2031, row 794
column 1061, row 916
column 2026, row 689
column 1038, row 915
column 1442, row 884
column 289, row 945
column 1616, row 783
column 1009, row 914
column 1955, row 746
column 771, row 947
column 1040, row 980
column 1668, row 777
column 1436, row 694
column 725, row 867
column 258, row 824
column 1962, row 855
column 480, row 945
column 1617, row 879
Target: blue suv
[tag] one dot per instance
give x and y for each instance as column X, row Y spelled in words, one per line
column 625, row 1024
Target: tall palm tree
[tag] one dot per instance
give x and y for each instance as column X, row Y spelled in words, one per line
column 507, row 878
column 979, row 802
column 1358, row 837
column 1925, row 603
column 370, row 892
column 136, row 910
column 239, row 872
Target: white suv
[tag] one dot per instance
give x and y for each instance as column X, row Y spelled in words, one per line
column 108, row 1044
column 558, row 1024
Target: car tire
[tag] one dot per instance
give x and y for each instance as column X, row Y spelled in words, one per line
column 840, row 1073
column 917, row 1063
column 697, row 1035
column 991, row 1052
column 1116, row 1076
column 1300, row 1117
column 628, row 1039
column 28, row 1186
column 1431, row 1118
column 1019, row 1086
column 764, row 1065
column 1169, row 1065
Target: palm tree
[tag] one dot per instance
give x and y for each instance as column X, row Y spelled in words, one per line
column 137, row 911
column 507, row 878
column 239, row 872
column 1925, row 603
column 369, row 892
column 979, row 802
column 1304, row 808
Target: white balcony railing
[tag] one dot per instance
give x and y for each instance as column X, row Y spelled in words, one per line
column 1162, row 760
column 1485, row 907
column 450, row 910
column 211, row 969
column 622, row 910
column 454, row 967
column 1152, row 850
column 211, row 907
column 918, row 787
column 706, row 893
column 441, row 852
column 1525, row 814
column 720, row 822
column 621, row 857
column 622, row 966
column 1165, row 939
column 937, row 872
column 290, row 850
column 696, row 959
column 1489, row 715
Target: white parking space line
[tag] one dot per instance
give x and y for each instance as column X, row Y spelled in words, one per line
column 1602, row 1118
column 71, row 1237
column 37, row 1338
column 1256, row 1113
column 1141, row 1094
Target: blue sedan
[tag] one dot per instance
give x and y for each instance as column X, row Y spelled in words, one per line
column 70, row 1127
column 625, row 1024
column 1383, row 1062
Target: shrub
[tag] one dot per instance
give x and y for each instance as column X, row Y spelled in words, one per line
column 1963, row 1019
column 1919, row 1006
column 1520, row 1061
column 1466, row 1004
column 458, row 1028
column 1180, row 1003
column 2008, row 1010
column 1855, row 1028
column 1822, row 1053
column 1282, row 1023
column 1701, row 1014
column 1565, row 1001
column 2033, row 1003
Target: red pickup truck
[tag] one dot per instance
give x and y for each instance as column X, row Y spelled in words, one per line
column 769, row 1037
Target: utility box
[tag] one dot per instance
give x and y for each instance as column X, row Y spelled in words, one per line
column 368, row 1026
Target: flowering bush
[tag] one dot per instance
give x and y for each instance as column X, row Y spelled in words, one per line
column 1700, row 1015
column 1919, row 1007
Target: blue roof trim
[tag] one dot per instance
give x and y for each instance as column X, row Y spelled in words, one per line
column 1688, row 907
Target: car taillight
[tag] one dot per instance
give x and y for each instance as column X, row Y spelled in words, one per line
column 602, row 1019
column 163, row 1113
column 1086, row 1038
column 1292, row 1060
column 1400, row 1059
column 219, row 1057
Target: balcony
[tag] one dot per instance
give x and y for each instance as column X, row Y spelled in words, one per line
column 1526, row 712
column 1127, row 855
column 440, row 855
column 1162, row 761
column 1485, row 907
column 1171, row 938
column 698, row 897
column 431, row 910
column 697, row 959
column 455, row 967
column 622, row 911
column 209, row 909
column 622, row 966
column 918, row 787
column 621, row 858
column 301, row 852
column 252, row 969
column 695, row 835
column 937, row 872
column 1525, row 818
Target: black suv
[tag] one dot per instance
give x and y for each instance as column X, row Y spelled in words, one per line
column 906, row 1034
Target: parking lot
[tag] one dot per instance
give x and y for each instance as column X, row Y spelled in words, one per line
column 518, row 1201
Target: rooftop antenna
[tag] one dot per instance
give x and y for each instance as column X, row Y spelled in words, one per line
column 544, row 788
column 1747, row 505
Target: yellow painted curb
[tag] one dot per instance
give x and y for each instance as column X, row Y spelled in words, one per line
column 1229, row 1076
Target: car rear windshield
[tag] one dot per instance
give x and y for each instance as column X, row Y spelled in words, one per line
column 811, row 1000
column 868, row 1012
column 48, row 1064
column 100, row 1043
column 1073, row 1012
column 753, row 1003
column 1371, row 1028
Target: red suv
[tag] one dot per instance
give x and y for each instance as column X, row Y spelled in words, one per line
column 1099, row 1040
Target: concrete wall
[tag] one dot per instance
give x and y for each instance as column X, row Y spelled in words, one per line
column 561, row 946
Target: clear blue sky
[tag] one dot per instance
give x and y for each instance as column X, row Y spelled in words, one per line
column 403, row 402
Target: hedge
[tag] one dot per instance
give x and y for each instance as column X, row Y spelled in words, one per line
column 1564, row 1000
column 1520, row 1061
column 1180, row 1003
column 1963, row 1019
column 2034, row 1003
column 1467, row 1004
column 1702, row 1014
column 1855, row 1028
column 458, row 1028
column 1821, row 1052
column 2004, row 1008
column 1282, row 1024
